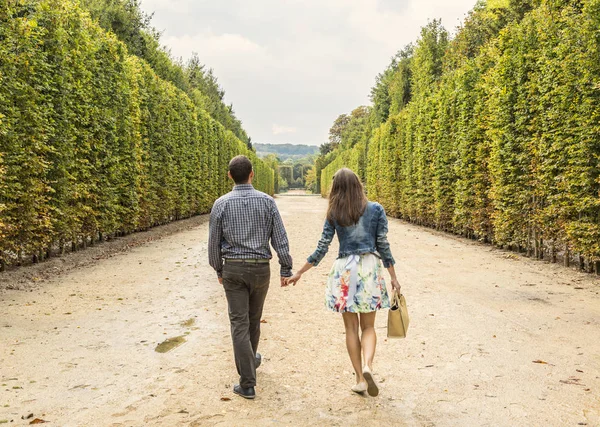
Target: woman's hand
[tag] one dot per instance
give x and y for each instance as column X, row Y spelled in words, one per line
column 292, row 280
column 396, row 286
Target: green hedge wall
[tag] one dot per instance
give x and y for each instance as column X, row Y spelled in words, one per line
column 92, row 142
column 354, row 159
column 505, row 147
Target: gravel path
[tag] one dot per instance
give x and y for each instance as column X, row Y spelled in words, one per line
column 495, row 340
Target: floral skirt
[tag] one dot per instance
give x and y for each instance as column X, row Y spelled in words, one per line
column 356, row 285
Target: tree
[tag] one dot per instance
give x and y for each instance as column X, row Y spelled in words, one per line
column 272, row 161
column 325, row 148
column 131, row 25
column 497, row 137
column 283, row 185
column 92, row 141
column 392, row 90
column 337, row 130
column 311, row 181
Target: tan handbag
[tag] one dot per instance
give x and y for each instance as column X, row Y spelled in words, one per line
column 397, row 317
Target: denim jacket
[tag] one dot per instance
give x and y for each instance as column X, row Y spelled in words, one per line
column 369, row 235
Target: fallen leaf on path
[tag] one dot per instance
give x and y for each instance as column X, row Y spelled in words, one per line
column 263, row 321
column 225, row 399
column 579, row 370
column 183, row 411
column 541, row 362
column 38, row 421
column 27, row 417
column 578, row 288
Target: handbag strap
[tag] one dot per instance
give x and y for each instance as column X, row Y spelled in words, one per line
column 395, row 299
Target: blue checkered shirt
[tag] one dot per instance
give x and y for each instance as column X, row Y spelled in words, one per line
column 241, row 224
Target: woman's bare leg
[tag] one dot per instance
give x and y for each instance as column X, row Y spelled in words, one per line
column 353, row 343
column 368, row 338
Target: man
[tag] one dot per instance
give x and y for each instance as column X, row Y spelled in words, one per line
column 241, row 224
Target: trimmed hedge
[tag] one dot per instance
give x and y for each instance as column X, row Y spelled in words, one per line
column 504, row 146
column 92, row 141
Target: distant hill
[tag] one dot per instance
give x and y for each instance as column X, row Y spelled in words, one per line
column 286, row 151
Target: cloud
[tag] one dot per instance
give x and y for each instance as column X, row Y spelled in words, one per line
column 296, row 61
column 210, row 44
column 281, row 130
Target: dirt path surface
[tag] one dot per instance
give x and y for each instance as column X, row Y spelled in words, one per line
column 80, row 348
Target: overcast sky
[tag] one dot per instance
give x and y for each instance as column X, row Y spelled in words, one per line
column 290, row 67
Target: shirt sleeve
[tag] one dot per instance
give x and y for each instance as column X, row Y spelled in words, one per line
column 215, row 236
column 323, row 245
column 280, row 243
column 383, row 246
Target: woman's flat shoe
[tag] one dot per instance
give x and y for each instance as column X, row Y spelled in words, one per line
column 360, row 387
column 372, row 388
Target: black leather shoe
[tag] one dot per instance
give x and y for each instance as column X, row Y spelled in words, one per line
column 246, row 393
column 258, row 360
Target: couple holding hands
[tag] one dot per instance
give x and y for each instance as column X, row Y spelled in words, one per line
column 244, row 221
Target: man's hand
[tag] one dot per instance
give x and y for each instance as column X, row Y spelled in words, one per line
column 221, row 280
column 284, row 281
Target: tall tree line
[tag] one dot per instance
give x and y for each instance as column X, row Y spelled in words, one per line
column 132, row 26
column 494, row 134
column 92, row 141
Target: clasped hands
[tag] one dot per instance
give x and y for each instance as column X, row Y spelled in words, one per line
column 292, row 280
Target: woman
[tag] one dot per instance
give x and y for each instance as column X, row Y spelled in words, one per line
column 356, row 287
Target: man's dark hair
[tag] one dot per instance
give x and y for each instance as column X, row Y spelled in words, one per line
column 240, row 168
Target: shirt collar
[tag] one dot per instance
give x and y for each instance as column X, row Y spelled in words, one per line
column 242, row 187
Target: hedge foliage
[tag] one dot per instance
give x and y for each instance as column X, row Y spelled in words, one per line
column 92, row 142
column 502, row 144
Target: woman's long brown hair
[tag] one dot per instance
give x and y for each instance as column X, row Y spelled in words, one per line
column 347, row 200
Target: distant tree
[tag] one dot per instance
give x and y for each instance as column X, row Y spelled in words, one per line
column 311, row 180
column 298, row 171
column 283, row 185
column 336, row 131
column 273, row 162
column 325, row 148
column 286, row 172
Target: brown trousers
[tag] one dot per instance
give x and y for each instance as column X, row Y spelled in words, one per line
column 246, row 287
